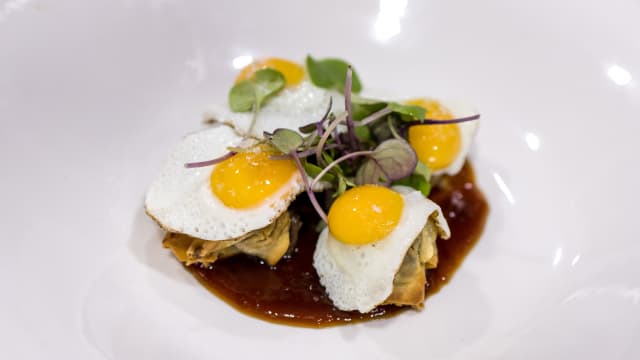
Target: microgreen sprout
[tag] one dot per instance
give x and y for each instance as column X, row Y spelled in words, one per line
column 210, row 162
column 307, row 185
column 372, row 150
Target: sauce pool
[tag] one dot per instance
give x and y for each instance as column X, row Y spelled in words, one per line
column 290, row 292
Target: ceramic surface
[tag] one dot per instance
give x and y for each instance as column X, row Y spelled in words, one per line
column 93, row 94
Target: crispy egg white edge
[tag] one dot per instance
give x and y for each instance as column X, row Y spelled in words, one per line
column 292, row 108
column 180, row 200
column 360, row 277
column 467, row 133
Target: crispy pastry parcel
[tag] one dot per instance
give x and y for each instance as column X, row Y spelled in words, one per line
column 269, row 243
column 409, row 282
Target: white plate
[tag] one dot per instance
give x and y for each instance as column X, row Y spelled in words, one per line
column 94, row 93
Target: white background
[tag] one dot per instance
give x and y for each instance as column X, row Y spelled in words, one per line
column 93, row 94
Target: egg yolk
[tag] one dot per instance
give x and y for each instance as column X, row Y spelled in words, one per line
column 365, row 214
column 293, row 73
column 436, row 145
column 247, row 179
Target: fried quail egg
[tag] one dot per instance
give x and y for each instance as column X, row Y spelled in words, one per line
column 370, row 230
column 245, row 192
column 300, row 103
column 443, row 148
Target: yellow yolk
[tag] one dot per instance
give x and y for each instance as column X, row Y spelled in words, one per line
column 293, row 73
column 365, row 214
column 436, row 145
column 247, row 179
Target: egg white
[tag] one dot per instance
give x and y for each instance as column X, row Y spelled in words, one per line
column 467, row 132
column 181, row 199
column 291, row 108
column 360, row 277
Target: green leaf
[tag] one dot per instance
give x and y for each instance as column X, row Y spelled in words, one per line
column 308, row 129
column 396, row 157
column 363, row 133
column 393, row 159
column 342, row 186
column 331, row 74
column 349, row 182
column 392, row 128
column 267, row 82
column 362, row 107
column 423, row 170
column 327, row 157
column 359, row 100
column 417, row 182
column 320, row 226
column 408, row 112
column 285, row 140
column 242, row 96
column 314, row 170
column 249, row 94
column 381, row 130
column 371, row 173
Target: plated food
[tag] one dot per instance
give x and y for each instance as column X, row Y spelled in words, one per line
column 307, row 204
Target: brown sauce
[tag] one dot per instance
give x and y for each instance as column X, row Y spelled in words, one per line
column 290, row 292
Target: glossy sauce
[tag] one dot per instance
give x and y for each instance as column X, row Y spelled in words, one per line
column 290, row 292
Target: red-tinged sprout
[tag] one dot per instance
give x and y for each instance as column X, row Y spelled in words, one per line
column 210, row 162
column 303, row 154
column 338, row 161
column 375, row 116
column 320, row 124
column 329, row 131
column 353, row 141
column 307, row 186
column 336, row 137
column 386, row 111
column 428, row 121
column 319, row 127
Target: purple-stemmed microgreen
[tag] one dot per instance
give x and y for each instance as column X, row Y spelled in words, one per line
column 308, row 188
column 215, row 161
column 318, row 126
column 372, row 150
column 336, row 136
column 304, row 153
column 393, row 129
column 375, row 116
column 392, row 160
column 353, row 141
column 337, row 162
column 330, row 129
column 427, row 121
